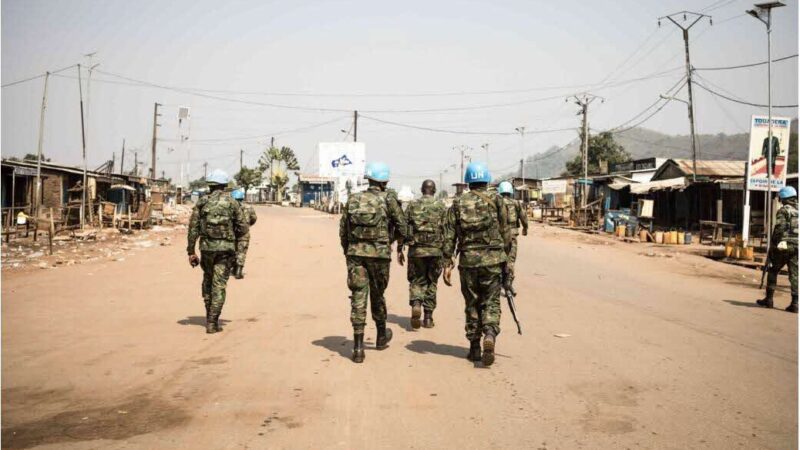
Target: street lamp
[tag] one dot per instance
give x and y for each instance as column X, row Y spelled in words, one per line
column 763, row 12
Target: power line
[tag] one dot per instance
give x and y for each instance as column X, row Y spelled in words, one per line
column 747, row 65
column 440, row 130
column 265, row 135
column 743, row 102
column 36, row 77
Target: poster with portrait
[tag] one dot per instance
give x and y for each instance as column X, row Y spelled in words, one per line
column 758, row 163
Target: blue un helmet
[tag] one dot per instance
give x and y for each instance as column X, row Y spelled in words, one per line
column 377, row 171
column 787, row 192
column 217, row 176
column 505, row 188
column 237, row 194
column 477, row 172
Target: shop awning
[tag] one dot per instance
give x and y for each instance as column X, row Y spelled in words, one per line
column 122, row 186
column 650, row 186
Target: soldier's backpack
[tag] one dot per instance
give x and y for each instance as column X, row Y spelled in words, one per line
column 368, row 215
column 511, row 210
column 216, row 220
column 477, row 218
column 426, row 222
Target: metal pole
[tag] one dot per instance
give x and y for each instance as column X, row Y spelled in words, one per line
column 355, row 126
column 83, row 145
column 155, row 137
column 585, row 152
column 122, row 160
column 768, row 219
column 39, row 148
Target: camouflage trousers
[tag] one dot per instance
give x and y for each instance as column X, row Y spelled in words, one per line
column 778, row 259
column 367, row 278
column 423, row 276
column 216, row 270
column 241, row 252
column 481, row 289
column 512, row 258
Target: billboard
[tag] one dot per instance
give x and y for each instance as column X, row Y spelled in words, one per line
column 341, row 159
column 757, row 166
column 554, row 186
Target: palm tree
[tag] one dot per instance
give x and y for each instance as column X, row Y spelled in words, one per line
column 279, row 161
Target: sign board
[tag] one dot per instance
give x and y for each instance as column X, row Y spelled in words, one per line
column 759, row 148
column 554, row 186
column 24, row 171
column 341, row 159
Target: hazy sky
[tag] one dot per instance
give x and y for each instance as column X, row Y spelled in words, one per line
column 370, row 55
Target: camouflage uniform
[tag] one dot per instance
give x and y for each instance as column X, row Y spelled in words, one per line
column 476, row 226
column 785, row 229
column 364, row 233
column 425, row 218
column 218, row 221
column 250, row 217
column 516, row 217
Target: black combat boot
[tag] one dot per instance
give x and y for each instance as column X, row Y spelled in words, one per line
column 384, row 336
column 416, row 312
column 428, row 321
column 211, row 324
column 766, row 302
column 217, row 326
column 488, row 349
column 474, row 354
column 358, row 348
column 238, row 272
column 792, row 308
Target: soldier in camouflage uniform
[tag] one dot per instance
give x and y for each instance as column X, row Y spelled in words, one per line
column 783, row 249
column 516, row 216
column 476, row 227
column 425, row 218
column 250, row 217
column 218, row 222
column 365, row 233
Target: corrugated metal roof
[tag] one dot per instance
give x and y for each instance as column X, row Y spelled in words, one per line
column 713, row 168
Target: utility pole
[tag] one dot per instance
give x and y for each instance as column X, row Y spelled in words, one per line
column 205, row 170
column 39, row 148
column 521, row 131
column 241, row 159
column 122, row 160
column 83, row 146
column 355, row 126
column 763, row 12
column 113, row 162
column 685, row 29
column 584, row 100
column 136, row 164
column 91, row 68
column 155, row 138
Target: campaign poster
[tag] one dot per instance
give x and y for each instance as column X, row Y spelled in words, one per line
column 758, row 165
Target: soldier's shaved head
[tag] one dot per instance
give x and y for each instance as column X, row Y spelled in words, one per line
column 428, row 187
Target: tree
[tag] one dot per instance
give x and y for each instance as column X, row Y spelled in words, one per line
column 602, row 147
column 32, row 157
column 280, row 161
column 199, row 183
column 248, row 177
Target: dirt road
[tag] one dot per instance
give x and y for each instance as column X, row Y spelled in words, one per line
column 660, row 353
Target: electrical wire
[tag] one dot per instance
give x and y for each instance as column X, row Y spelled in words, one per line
column 745, row 65
column 440, row 130
column 743, row 102
column 263, row 136
column 14, row 83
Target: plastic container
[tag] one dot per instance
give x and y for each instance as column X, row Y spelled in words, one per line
column 659, row 237
column 643, row 235
column 620, row 230
column 687, row 238
column 681, row 238
column 673, row 237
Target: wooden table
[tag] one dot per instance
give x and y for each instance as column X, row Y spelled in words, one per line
column 716, row 230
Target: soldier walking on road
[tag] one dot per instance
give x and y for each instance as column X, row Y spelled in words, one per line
column 250, row 217
column 783, row 249
column 425, row 218
column 516, row 216
column 218, row 221
column 365, row 230
column 476, row 227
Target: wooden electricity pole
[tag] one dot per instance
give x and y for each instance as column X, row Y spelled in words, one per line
column 122, row 160
column 355, row 126
column 584, row 100
column 39, row 148
column 83, row 146
column 155, row 138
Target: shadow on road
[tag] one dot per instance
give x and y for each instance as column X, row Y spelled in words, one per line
column 425, row 347
column 751, row 304
column 336, row 344
column 199, row 321
column 404, row 322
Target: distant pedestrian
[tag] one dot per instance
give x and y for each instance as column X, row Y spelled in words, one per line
column 218, row 221
column 425, row 217
column 369, row 221
column 250, row 217
column 517, row 216
column 783, row 248
column 476, row 227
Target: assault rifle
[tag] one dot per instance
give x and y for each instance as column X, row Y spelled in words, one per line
column 510, row 298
